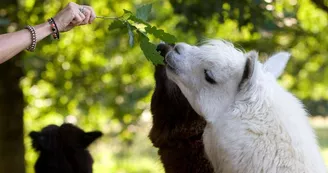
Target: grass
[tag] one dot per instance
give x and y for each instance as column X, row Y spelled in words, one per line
column 320, row 125
column 323, row 142
column 141, row 156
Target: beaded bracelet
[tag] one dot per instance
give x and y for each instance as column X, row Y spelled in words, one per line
column 33, row 36
column 55, row 32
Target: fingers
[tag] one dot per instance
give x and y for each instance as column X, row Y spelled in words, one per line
column 92, row 13
column 74, row 15
column 78, row 18
column 89, row 14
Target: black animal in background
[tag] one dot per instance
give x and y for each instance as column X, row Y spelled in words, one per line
column 177, row 129
column 63, row 149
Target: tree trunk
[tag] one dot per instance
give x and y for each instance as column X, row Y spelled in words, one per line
column 11, row 118
column 11, row 106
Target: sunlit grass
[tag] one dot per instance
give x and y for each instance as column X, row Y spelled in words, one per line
column 325, row 155
column 141, row 157
column 323, row 141
column 320, row 125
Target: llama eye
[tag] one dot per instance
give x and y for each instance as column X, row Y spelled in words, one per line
column 209, row 77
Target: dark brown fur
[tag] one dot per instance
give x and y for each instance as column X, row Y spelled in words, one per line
column 177, row 129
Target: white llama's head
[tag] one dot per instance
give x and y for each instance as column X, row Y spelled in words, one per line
column 210, row 75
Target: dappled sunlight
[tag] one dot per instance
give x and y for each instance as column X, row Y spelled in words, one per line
column 93, row 78
column 320, row 125
column 138, row 157
column 325, row 155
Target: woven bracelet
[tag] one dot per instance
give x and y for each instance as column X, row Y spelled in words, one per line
column 31, row 48
column 55, row 32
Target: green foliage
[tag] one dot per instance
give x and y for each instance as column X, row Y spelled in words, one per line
column 159, row 33
column 131, row 35
column 116, row 24
column 94, row 78
column 4, row 22
column 132, row 22
column 143, row 12
column 149, row 50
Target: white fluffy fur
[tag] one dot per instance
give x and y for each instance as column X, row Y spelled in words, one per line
column 253, row 125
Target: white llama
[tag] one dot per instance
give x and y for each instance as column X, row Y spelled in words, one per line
column 253, row 124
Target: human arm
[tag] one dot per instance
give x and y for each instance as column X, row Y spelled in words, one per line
column 13, row 43
column 71, row 16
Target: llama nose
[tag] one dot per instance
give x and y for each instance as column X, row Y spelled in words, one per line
column 164, row 48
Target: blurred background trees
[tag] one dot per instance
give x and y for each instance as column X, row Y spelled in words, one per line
column 91, row 77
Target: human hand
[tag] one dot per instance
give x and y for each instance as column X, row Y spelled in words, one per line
column 74, row 15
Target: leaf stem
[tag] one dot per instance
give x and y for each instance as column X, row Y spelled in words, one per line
column 106, row 17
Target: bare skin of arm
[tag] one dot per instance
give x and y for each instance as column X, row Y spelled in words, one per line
column 13, row 43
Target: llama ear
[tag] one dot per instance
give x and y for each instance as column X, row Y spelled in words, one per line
column 277, row 63
column 36, row 140
column 34, row 135
column 89, row 137
column 249, row 69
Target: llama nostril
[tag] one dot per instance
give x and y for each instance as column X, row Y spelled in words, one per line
column 176, row 49
column 163, row 48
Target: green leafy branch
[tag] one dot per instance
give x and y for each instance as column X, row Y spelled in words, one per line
column 137, row 25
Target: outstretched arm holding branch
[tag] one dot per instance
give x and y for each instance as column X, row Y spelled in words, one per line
column 69, row 17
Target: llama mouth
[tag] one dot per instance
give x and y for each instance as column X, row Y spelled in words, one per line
column 170, row 63
column 165, row 51
column 196, row 140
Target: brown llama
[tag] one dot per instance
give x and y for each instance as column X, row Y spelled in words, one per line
column 177, row 129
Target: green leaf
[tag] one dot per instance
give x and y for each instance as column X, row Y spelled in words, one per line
column 143, row 12
column 116, row 24
column 131, row 36
column 126, row 14
column 149, row 50
column 127, row 11
column 159, row 33
column 137, row 20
